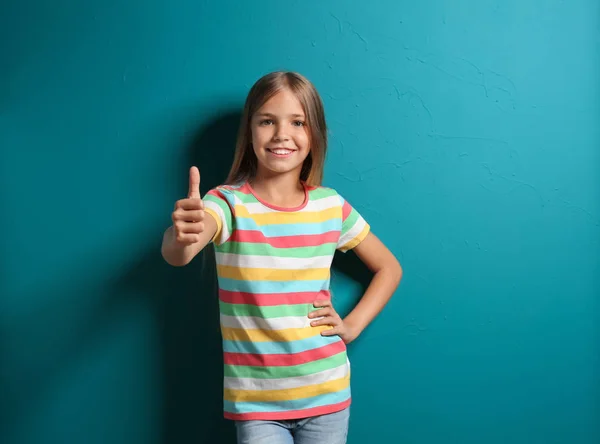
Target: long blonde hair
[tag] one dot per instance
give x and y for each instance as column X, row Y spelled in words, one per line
column 245, row 163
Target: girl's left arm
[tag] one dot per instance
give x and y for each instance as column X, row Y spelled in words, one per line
column 387, row 275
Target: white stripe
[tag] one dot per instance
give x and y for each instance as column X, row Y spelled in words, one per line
column 253, row 322
column 217, row 209
column 313, row 205
column 286, row 383
column 273, row 262
column 352, row 232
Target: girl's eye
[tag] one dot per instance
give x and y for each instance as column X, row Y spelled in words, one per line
column 298, row 123
column 266, row 122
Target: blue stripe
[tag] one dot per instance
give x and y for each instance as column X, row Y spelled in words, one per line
column 279, row 347
column 272, row 286
column 273, row 230
column 282, row 406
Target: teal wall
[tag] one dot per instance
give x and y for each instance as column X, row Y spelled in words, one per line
column 467, row 133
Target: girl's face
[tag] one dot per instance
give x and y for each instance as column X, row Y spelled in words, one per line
column 280, row 138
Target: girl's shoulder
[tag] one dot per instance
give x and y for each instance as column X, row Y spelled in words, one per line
column 229, row 189
column 322, row 192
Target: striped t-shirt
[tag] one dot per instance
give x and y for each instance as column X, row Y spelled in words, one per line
column 272, row 265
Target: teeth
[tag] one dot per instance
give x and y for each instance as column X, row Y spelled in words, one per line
column 281, row 151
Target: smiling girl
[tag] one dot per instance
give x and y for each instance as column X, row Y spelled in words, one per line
column 275, row 230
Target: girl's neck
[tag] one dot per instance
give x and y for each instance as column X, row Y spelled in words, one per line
column 282, row 190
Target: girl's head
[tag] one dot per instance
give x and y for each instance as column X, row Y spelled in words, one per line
column 282, row 130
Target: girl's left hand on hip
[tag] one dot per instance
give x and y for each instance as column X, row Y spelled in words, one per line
column 330, row 317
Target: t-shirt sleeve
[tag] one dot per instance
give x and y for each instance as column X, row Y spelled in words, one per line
column 354, row 227
column 218, row 205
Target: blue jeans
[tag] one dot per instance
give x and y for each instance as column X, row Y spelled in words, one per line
column 327, row 429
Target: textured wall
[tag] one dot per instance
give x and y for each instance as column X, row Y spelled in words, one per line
column 465, row 132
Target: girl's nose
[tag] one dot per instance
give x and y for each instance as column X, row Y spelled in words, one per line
column 280, row 135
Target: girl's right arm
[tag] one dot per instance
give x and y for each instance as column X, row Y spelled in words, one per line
column 191, row 230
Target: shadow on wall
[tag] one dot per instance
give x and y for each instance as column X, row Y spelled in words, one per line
column 187, row 309
column 352, row 268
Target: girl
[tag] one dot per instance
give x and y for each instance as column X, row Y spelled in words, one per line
column 275, row 230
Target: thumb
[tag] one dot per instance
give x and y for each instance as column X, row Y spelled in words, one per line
column 194, row 191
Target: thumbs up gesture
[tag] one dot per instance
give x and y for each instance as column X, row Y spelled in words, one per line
column 188, row 216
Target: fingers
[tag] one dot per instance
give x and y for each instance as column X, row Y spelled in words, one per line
column 187, row 238
column 188, row 215
column 194, row 187
column 332, row 331
column 189, row 204
column 189, row 227
column 188, row 232
column 188, row 223
column 327, row 320
column 328, row 311
column 328, row 316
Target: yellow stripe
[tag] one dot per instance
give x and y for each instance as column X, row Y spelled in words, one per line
column 357, row 240
column 256, row 335
column 282, row 217
column 217, row 220
column 307, row 391
column 271, row 274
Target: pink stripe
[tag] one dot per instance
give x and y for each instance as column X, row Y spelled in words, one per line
column 290, row 414
column 245, row 189
column 215, row 192
column 309, row 240
column 346, row 210
column 284, row 360
column 264, row 299
column 219, row 195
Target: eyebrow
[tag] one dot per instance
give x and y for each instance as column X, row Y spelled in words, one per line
column 273, row 115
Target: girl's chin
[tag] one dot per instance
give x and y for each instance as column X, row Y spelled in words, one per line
column 271, row 168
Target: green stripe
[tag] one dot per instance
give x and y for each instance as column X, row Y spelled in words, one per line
column 220, row 202
column 268, row 250
column 244, row 371
column 245, row 198
column 321, row 193
column 266, row 312
column 350, row 221
column 223, row 205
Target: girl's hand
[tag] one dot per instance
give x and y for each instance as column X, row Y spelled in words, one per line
column 188, row 215
column 330, row 317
